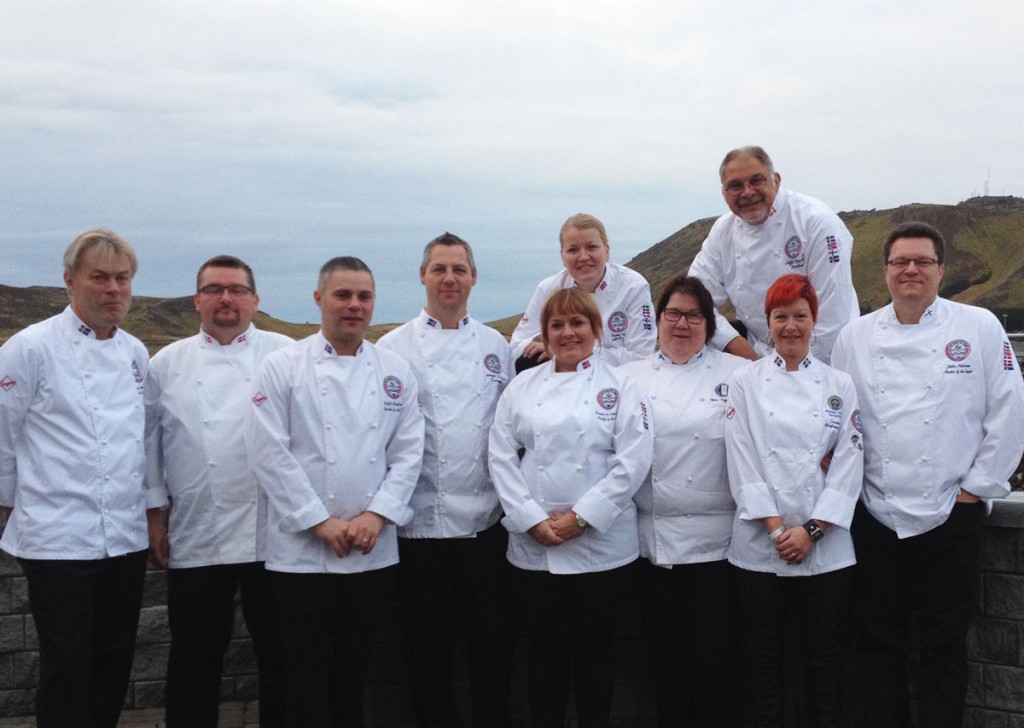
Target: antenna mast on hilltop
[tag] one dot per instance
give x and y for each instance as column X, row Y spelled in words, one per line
column 988, row 174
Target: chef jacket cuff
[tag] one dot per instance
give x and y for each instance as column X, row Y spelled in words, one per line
column 597, row 510
column 755, row 502
column 305, row 518
column 383, row 504
column 983, row 488
column 835, row 508
column 156, row 498
column 525, row 517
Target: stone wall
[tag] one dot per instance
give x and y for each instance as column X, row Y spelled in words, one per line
column 996, row 644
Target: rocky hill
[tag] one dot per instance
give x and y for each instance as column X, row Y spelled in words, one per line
column 984, row 266
column 984, row 257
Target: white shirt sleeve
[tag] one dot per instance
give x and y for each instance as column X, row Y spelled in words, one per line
column 281, row 476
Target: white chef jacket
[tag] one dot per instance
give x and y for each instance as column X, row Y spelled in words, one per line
column 685, row 507
column 738, row 262
column 71, row 450
column 333, row 436
column 778, row 427
column 624, row 299
column 943, row 408
column 588, row 445
column 197, row 401
column 461, row 373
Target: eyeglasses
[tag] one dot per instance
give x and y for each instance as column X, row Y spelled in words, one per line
column 674, row 314
column 903, row 263
column 217, row 290
column 757, row 182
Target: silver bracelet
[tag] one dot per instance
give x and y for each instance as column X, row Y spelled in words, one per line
column 774, row 535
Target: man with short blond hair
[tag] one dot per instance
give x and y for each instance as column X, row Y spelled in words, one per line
column 71, row 463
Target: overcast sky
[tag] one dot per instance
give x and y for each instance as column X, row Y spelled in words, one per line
column 287, row 133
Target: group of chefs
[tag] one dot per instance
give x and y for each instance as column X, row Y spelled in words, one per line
column 838, row 481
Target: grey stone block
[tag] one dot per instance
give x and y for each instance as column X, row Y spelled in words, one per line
column 153, row 626
column 981, row 718
column 154, row 590
column 9, row 565
column 975, row 684
column 16, row 702
column 239, row 659
column 999, row 550
column 247, row 687
column 1004, row 595
column 24, row 669
column 1004, row 688
column 150, row 694
column 31, row 635
column 993, row 640
column 150, row 662
column 19, row 595
column 12, row 633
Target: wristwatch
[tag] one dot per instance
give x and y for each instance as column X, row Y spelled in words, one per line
column 581, row 522
column 814, row 530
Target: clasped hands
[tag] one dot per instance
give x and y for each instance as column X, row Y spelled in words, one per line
column 360, row 533
column 557, row 529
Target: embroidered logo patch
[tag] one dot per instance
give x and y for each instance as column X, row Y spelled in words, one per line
column 643, row 415
column 492, row 363
column 835, row 402
column 794, row 247
column 1007, row 358
column 393, row 386
column 6, row 383
column 618, row 322
column 136, row 372
column 647, row 319
column 259, row 398
column 855, row 421
column 729, row 412
column 958, row 350
column 722, row 390
column 608, row 398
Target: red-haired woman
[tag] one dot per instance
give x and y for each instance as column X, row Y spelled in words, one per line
column 791, row 542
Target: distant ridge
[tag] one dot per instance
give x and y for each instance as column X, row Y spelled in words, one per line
column 984, row 266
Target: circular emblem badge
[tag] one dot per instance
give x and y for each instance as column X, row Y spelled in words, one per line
column 958, row 350
column 835, row 402
column 393, row 386
column 794, row 247
column 722, row 390
column 492, row 363
column 855, row 421
column 617, row 322
column 608, row 398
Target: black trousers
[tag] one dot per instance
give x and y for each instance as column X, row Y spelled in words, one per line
column 201, row 612
column 570, row 626
column 456, row 590
column 86, row 613
column 328, row 625
column 819, row 608
column 934, row 575
column 693, row 627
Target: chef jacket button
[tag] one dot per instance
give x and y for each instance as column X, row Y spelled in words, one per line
column 373, row 461
column 886, row 460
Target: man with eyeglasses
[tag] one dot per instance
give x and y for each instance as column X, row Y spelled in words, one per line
column 942, row 410
column 197, row 401
column 771, row 231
